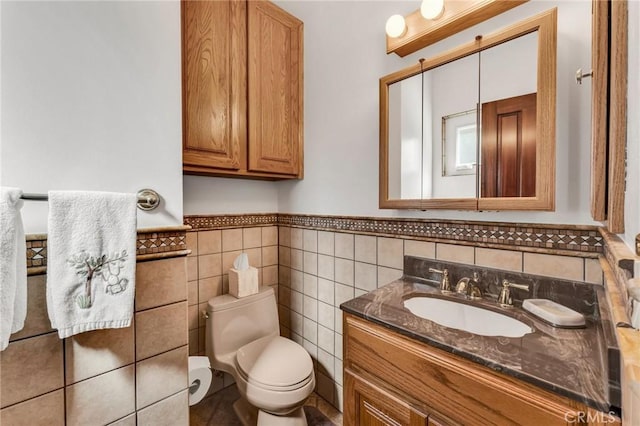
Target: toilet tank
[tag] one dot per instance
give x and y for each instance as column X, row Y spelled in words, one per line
column 233, row 322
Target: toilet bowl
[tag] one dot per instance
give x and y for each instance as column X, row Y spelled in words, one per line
column 274, row 375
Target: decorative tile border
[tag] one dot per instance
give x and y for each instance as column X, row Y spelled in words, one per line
column 567, row 238
column 202, row 223
column 153, row 243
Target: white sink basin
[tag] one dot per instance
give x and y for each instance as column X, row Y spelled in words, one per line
column 466, row 317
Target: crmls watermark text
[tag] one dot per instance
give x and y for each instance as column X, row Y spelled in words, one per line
column 590, row 417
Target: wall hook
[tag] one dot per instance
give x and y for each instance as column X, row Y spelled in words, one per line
column 580, row 75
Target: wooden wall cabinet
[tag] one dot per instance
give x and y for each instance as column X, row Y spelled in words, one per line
column 390, row 379
column 242, row 90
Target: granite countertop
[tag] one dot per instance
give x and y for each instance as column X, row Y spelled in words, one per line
column 570, row 362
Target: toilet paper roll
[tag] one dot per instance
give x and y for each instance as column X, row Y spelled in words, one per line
column 199, row 378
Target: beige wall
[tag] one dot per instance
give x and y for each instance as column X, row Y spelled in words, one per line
column 135, row 375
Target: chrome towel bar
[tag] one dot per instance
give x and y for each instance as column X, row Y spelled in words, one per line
column 148, row 199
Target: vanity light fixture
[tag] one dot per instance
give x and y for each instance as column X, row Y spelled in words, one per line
column 429, row 9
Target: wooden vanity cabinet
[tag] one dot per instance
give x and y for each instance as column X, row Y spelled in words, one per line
column 242, row 90
column 390, row 379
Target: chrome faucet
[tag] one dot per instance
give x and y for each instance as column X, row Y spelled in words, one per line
column 469, row 286
column 504, row 299
column 445, row 286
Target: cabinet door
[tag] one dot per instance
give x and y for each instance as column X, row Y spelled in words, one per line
column 214, row 83
column 368, row 404
column 275, row 90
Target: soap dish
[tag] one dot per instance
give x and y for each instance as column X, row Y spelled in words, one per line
column 554, row 313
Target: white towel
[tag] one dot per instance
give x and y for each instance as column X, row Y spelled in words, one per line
column 13, row 265
column 91, row 260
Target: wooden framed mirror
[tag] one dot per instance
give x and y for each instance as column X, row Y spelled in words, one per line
column 427, row 124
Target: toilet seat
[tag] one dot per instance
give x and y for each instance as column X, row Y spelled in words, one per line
column 275, row 363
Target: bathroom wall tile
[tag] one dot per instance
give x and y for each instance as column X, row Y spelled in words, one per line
column 310, row 309
column 424, row 249
column 455, row 253
column 571, row 268
column 297, row 303
column 101, row 399
column 296, row 238
column 326, row 243
column 232, row 239
column 161, row 329
column 284, row 256
column 337, row 350
column 251, row 238
column 500, row 259
column 310, row 331
column 269, row 235
column 284, row 314
column 365, row 248
column 191, row 241
column 171, row 411
column 344, row 271
column 325, row 387
column 325, row 339
column 310, row 263
column 209, row 265
column 225, row 283
column 193, row 342
column 297, row 282
column 342, row 293
column 326, row 266
column 161, row 376
column 284, row 236
column 344, row 245
column 285, row 332
column 338, row 367
column 201, row 340
column 326, row 361
column 270, row 275
column 311, row 285
column 96, row 352
column 37, row 320
column 338, row 320
column 227, row 260
column 387, row 275
column 325, row 291
column 310, row 240
column 359, row 292
column 284, row 275
column 592, row 271
column 339, row 398
column 193, row 317
column 192, row 268
column 297, row 323
column 326, row 315
column 201, row 320
column 160, row 282
column 41, row 356
column 192, row 293
column 130, row 420
column 365, row 276
column 296, row 259
column 255, row 257
column 209, row 287
column 45, row 410
column 311, row 348
column 269, row 255
column 209, row 242
column 391, row 252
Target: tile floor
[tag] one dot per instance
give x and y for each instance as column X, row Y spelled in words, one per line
column 217, row 410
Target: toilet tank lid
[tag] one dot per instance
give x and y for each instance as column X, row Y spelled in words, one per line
column 275, row 361
column 226, row 301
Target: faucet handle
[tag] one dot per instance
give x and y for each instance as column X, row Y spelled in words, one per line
column 504, row 299
column 507, row 283
column 445, row 285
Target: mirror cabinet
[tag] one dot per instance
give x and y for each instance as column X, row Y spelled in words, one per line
column 474, row 128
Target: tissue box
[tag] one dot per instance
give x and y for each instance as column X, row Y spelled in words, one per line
column 243, row 283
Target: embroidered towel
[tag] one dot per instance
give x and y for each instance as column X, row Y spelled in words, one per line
column 13, row 265
column 91, row 260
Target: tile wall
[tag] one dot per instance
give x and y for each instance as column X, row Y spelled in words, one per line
column 135, row 375
column 321, row 269
column 212, row 255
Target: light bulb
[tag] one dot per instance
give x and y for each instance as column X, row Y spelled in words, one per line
column 395, row 26
column 431, row 9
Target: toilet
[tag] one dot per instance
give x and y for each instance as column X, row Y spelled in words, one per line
column 274, row 375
